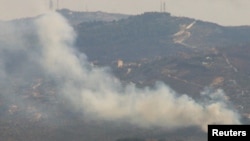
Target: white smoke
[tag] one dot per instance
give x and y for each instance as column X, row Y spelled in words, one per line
column 99, row 94
column 92, row 90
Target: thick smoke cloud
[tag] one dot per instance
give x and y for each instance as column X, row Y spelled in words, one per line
column 98, row 94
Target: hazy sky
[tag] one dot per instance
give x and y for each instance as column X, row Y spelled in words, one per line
column 226, row 12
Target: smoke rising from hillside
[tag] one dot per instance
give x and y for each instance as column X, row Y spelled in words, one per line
column 98, row 94
column 103, row 96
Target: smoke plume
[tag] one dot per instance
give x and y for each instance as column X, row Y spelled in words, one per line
column 98, row 94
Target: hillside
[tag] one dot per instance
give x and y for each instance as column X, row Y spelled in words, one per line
column 76, row 18
column 152, row 35
column 186, row 54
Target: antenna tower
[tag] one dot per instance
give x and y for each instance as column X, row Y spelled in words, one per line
column 161, row 7
column 57, row 4
column 164, row 7
column 51, row 6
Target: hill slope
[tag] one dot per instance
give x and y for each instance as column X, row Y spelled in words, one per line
column 153, row 34
column 187, row 54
